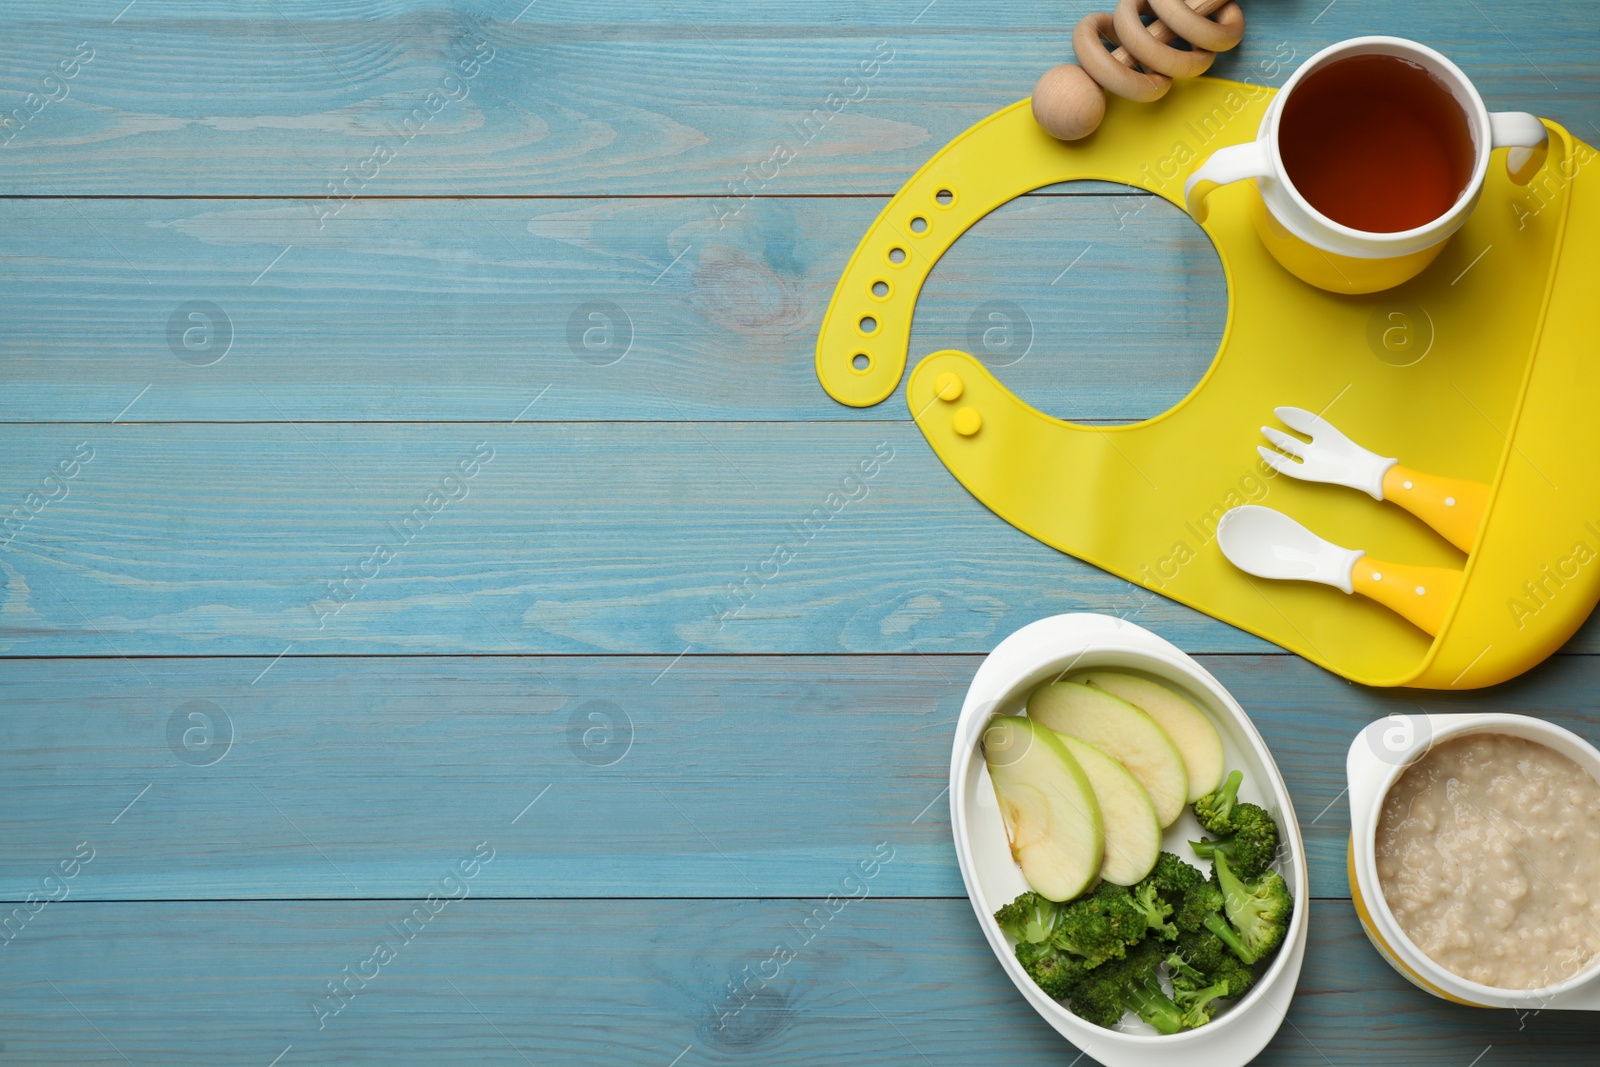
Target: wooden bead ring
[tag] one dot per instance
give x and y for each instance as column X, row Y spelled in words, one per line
column 1103, row 67
column 1218, row 32
column 1150, row 53
column 1069, row 102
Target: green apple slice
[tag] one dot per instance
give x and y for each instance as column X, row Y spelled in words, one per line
column 1048, row 806
column 1122, row 732
column 1133, row 836
column 1189, row 727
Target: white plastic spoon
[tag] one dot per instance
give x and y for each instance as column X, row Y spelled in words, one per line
column 1269, row 544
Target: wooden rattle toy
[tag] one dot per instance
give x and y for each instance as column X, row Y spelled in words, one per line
column 1069, row 101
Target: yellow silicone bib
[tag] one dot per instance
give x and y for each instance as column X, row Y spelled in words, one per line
column 1500, row 384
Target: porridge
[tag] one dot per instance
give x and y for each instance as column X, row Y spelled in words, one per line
column 1488, row 852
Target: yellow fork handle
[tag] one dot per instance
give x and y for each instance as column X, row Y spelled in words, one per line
column 1421, row 595
column 1453, row 507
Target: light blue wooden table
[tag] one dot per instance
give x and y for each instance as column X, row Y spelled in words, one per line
column 393, row 390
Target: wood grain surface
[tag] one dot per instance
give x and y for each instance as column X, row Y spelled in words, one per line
column 637, row 983
column 649, row 776
column 434, row 378
column 436, row 310
column 185, row 539
column 581, row 98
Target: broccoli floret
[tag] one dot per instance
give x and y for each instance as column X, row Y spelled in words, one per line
column 1196, row 988
column 1258, row 912
column 1097, row 952
column 1173, row 877
column 1184, row 975
column 1141, row 988
column 1127, row 984
column 1246, row 833
column 1239, row 975
column 1215, row 807
column 1100, row 926
column 1252, row 844
column 1230, row 937
column 1053, row 971
column 1058, row 943
column 1164, row 890
column 1202, row 950
column 1155, row 910
column 1116, row 903
column 1222, row 966
column 1097, row 997
column 1030, row 917
column 1030, row 953
column 1198, row 1005
column 1147, row 1000
column 1201, row 900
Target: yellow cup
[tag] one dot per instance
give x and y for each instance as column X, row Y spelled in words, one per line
column 1339, row 258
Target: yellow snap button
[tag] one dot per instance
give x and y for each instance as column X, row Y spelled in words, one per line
column 967, row 422
column 948, row 386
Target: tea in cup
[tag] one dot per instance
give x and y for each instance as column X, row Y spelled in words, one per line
column 1367, row 161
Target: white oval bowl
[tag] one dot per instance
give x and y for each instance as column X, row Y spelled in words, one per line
column 1041, row 652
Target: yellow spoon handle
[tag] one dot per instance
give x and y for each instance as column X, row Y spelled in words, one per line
column 1422, row 595
column 1453, row 507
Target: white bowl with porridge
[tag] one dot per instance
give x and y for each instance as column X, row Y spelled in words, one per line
column 1475, row 856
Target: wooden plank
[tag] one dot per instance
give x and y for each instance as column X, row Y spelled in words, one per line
column 570, row 538
column 636, row 983
column 580, row 99
column 705, row 776
column 374, row 776
column 573, row 538
column 638, row 308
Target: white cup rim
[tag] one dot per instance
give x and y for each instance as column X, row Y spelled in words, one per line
column 1524, row 726
column 1461, row 88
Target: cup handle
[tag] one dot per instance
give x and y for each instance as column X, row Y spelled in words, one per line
column 1223, row 167
column 1527, row 138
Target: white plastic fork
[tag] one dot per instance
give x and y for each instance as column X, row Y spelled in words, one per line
column 1453, row 507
